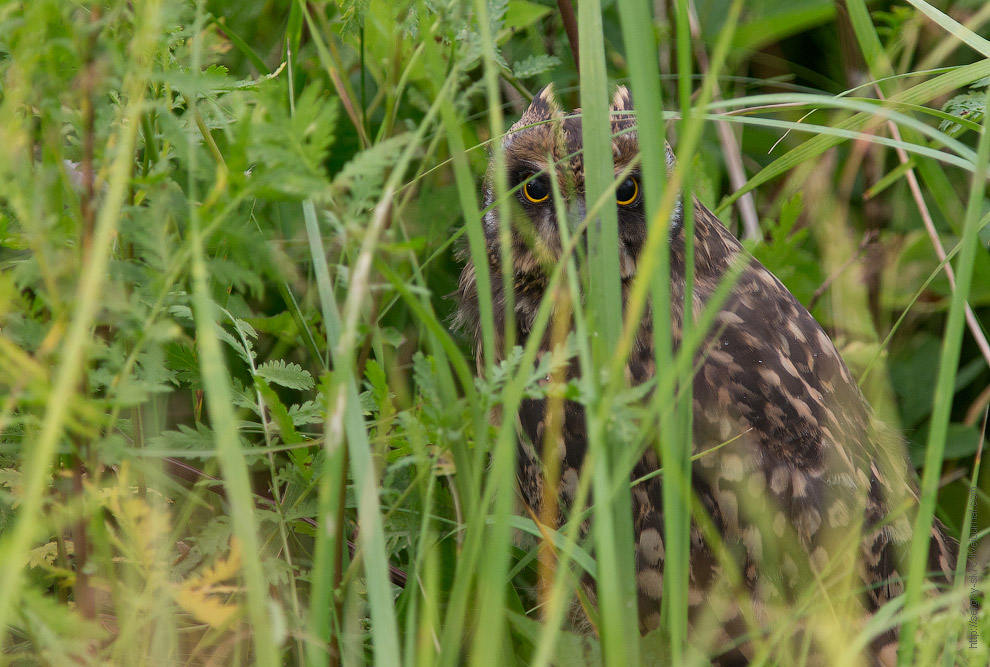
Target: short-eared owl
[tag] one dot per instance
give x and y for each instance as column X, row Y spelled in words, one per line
column 805, row 488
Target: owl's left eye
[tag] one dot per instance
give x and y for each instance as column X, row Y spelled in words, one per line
column 628, row 192
column 537, row 190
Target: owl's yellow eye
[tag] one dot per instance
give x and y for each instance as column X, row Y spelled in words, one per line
column 537, row 190
column 627, row 192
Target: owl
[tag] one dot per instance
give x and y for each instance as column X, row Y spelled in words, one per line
column 810, row 495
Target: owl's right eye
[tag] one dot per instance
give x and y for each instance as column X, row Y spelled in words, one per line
column 537, row 190
column 628, row 192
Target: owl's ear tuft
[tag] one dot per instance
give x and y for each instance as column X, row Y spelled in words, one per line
column 543, row 108
column 622, row 100
column 545, row 94
column 623, row 114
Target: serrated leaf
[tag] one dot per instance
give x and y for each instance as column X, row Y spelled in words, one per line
column 367, row 401
column 181, row 312
column 245, row 328
column 363, row 177
column 290, row 375
column 971, row 106
column 204, row 597
column 789, row 213
column 43, row 556
column 534, row 65
column 309, row 412
column 376, row 378
column 183, row 438
column 238, row 346
column 244, row 397
column 215, row 535
column 288, row 151
column 425, row 377
column 195, row 442
column 228, row 273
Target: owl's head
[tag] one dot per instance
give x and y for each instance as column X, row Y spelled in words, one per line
column 546, row 143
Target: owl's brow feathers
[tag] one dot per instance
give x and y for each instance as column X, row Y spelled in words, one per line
column 564, row 142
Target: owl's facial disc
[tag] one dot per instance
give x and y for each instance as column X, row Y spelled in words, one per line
column 536, row 224
column 545, row 144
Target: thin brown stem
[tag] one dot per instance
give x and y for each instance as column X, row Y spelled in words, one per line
column 338, row 557
column 978, row 406
column 570, row 27
column 730, row 146
column 83, row 592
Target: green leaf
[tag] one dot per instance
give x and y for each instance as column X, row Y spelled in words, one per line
column 288, row 152
column 535, row 64
column 788, row 253
column 243, row 347
column 182, row 360
column 971, row 105
column 199, row 440
column 425, row 376
column 308, row 412
column 379, row 385
column 360, row 181
column 521, row 14
column 285, row 374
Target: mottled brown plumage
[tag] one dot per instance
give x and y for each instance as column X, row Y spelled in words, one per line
column 812, row 497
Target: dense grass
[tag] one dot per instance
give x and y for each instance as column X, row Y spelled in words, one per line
column 235, row 425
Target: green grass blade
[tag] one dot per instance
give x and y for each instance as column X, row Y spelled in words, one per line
column 676, row 460
column 967, row 545
column 603, row 248
column 967, row 37
column 219, row 400
column 333, row 473
column 616, row 584
column 918, row 94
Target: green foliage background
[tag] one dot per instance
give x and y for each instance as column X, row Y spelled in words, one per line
column 227, row 237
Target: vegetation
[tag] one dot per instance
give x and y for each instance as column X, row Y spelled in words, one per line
column 235, row 426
